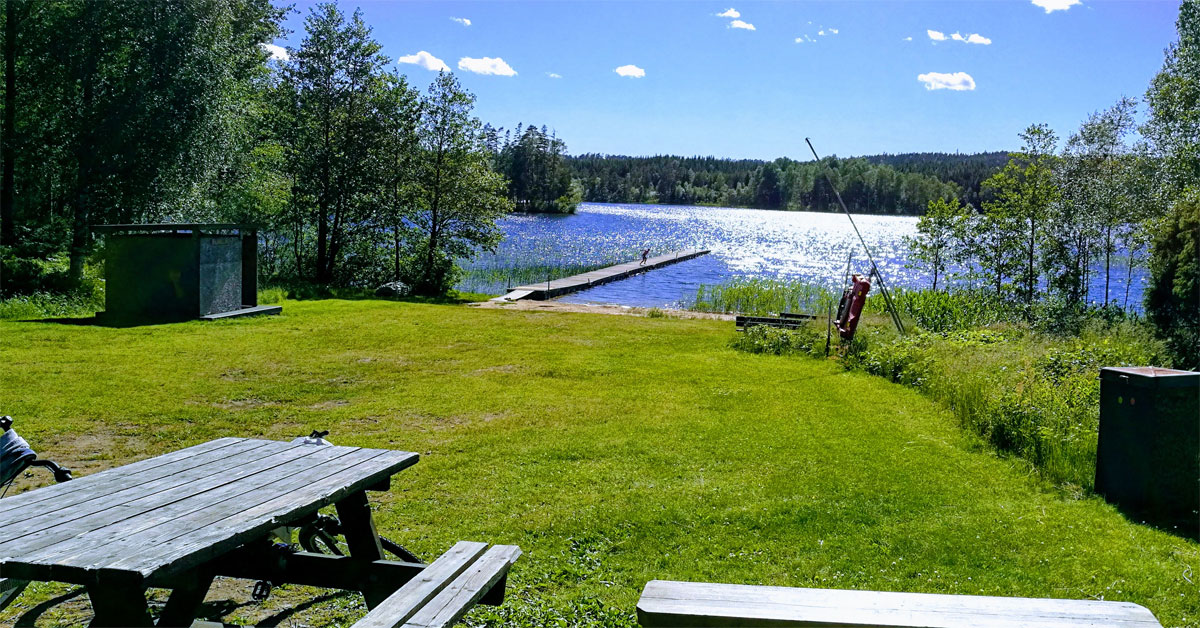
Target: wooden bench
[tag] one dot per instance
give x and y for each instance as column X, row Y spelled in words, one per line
column 785, row 320
column 666, row 603
column 443, row 592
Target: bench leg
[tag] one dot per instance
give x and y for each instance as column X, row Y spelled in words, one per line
column 363, row 540
column 185, row 600
column 10, row 588
column 119, row 604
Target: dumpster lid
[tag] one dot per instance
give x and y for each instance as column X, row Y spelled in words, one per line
column 1150, row 375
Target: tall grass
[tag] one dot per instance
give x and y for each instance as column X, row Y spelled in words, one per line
column 757, row 296
column 48, row 305
column 1028, row 389
column 496, row 273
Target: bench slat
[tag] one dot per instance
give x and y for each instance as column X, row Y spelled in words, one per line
column 459, row 596
column 665, row 603
column 408, row 599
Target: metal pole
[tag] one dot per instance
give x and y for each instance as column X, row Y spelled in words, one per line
column 874, row 269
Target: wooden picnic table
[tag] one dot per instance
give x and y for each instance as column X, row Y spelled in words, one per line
column 177, row 520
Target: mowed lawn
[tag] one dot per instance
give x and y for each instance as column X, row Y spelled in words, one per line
column 613, row 449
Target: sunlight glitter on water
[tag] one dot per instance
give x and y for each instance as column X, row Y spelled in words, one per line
column 811, row 246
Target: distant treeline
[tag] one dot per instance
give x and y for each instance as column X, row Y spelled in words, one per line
column 969, row 171
column 881, row 184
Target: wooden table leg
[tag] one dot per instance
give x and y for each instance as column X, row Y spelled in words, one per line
column 118, row 603
column 358, row 526
column 186, row 599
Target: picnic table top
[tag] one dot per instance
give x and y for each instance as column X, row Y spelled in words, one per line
column 161, row 516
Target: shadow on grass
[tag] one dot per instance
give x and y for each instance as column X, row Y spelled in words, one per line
column 29, row 618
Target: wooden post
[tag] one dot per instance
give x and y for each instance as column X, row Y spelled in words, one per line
column 363, row 540
column 186, row 599
column 118, row 602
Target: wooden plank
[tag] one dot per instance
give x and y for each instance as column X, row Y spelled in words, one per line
column 408, row 599
column 666, row 603
column 143, row 469
column 23, row 522
column 140, row 519
column 286, row 502
column 449, row 605
column 565, row 285
column 178, row 492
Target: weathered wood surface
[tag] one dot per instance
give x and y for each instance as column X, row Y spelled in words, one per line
column 408, row 599
column 165, row 515
column 447, row 589
column 666, row 603
column 256, row 310
column 574, row 283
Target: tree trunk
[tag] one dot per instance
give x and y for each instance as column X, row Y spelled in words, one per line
column 1107, row 260
column 85, row 149
column 7, row 139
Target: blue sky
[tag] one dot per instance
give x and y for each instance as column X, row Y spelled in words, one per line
column 712, row 88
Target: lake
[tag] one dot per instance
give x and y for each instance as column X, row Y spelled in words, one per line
column 813, row 246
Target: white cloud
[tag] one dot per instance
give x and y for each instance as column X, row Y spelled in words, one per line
column 803, row 38
column 821, row 33
column 461, row 20
column 730, row 12
column 936, row 35
column 976, row 38
column 907, row 39
column 742, row 25
column 277, row 53
column 958, row 37
column 553, row 75
column 425, row 60
column 631, row 71
column 799, row 40
column 958, row 81
column 486, row 65
column 1055, row 5
column 834, row 31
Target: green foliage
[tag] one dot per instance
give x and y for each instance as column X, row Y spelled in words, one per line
column 757, row 296
column 1015, row 222
column 459, row 197
column 1174, row 102
column 776, row 341
column 40, row 305
column 937, row 240
column 1173, row 299
column 781, row 184
column 539, row 179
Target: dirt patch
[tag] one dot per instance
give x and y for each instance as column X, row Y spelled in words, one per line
column 620, row 310
column 329, row 405
column 83, row 454
column 502, row 368
column 243, row 404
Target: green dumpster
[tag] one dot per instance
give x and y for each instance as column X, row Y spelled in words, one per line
column 1148, row 455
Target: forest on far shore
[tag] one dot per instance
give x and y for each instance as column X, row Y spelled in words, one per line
column 873, row 184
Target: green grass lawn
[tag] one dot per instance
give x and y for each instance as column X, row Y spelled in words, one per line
column 612, row 449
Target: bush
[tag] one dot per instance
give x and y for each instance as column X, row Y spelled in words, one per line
column 1173, row 298
column 775, row 341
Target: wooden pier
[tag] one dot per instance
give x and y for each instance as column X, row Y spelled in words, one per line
column 575, row 283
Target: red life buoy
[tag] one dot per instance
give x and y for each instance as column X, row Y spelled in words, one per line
column 850, row 308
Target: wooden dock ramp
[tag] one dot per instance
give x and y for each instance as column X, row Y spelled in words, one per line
column 575, row 283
